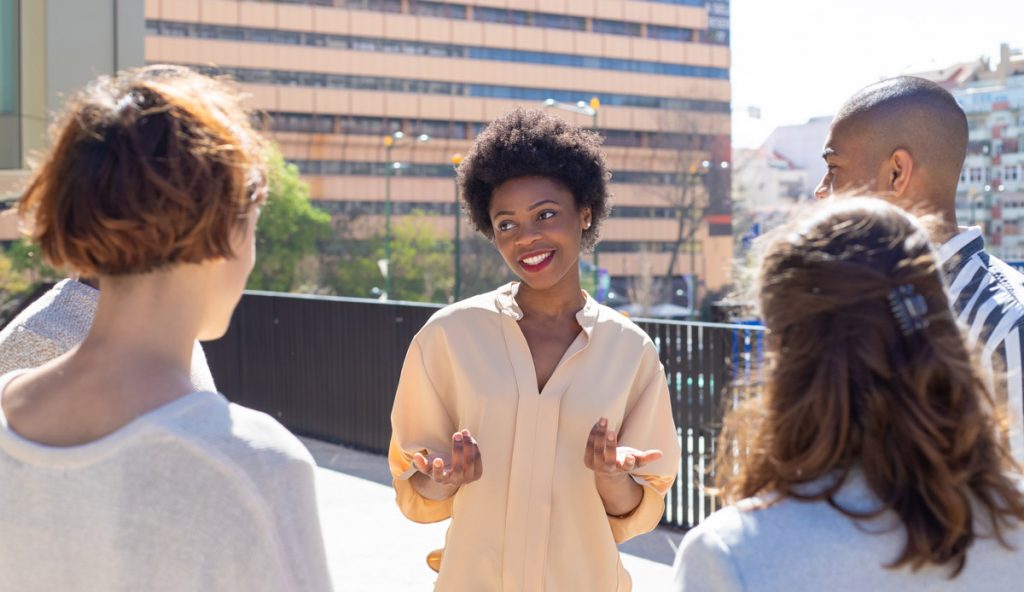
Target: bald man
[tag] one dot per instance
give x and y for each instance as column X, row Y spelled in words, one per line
column 905, row 140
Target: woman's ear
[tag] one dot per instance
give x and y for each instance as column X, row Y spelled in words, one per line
column 586, row 218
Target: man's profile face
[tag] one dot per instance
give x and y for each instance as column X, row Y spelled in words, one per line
column 849, row 163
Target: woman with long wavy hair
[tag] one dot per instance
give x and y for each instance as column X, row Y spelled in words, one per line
column 870, row 459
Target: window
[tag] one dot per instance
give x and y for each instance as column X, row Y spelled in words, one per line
column 669, row 33
column 975, row 175
column 375, row 5
column 560, row 21
column 290, row 78
column 501, row 15
column 438, row 9
column 617, row 27
column 437, row 49
column 1010, row 172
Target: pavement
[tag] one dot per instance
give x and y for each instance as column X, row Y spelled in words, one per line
column 371, row 546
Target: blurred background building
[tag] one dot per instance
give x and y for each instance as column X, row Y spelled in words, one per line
column 373, row 98
column 49, row 48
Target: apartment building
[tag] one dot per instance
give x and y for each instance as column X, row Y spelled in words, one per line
column 991, row 191
column 339, row 78
column 49, row 48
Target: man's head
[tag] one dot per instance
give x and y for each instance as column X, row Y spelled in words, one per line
column 903, row 139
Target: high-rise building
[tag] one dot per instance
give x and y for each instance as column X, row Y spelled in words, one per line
column 991, row 191
column 49, row 48
column 339, row 79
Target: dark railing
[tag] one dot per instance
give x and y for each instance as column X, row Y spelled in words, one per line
column 328, row 368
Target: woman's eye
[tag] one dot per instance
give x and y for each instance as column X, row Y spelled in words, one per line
column 546, row 214
column 504, row 225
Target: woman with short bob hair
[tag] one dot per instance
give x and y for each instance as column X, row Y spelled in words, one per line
column 869, row 460
column 534, row 417
column 116, row 474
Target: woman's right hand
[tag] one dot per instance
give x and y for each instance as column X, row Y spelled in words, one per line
column 452, row 471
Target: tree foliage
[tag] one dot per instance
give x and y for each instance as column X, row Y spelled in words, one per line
column 289, row 233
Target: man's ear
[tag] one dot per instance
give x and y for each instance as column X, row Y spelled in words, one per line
column 901, row 169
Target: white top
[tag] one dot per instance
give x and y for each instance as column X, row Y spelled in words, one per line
column 58, row 321
column 795, row 546
column 199, row 494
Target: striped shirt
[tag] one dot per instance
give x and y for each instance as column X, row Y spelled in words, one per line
column 988, row 297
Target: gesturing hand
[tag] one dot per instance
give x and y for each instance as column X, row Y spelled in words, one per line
column 606, row 458
column 461, row 467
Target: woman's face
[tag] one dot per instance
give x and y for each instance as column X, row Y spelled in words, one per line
column 538, row 229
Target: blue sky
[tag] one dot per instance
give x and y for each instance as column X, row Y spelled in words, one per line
column 796, row 59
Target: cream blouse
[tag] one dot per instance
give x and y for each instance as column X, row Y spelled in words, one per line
column 534, row 520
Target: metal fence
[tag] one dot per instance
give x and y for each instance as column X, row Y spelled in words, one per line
column 328, row 368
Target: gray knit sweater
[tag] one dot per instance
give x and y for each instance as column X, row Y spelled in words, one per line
column 795, row 546
column 60, row 320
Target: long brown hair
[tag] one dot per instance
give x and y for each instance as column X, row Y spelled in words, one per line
column 846, row 388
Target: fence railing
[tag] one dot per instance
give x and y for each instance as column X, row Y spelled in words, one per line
column 328, row 368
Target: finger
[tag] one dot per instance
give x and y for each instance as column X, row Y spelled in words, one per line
column 588, row 453
column 437, row 471
column 648, row 457
column 478, row 463
column 420, row 462
column 458, row 456
column 628, row 463
column 611, row 449
column 469, row 454
column 600, row 438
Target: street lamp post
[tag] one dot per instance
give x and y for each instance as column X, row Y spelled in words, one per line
column 457, row 251
column 590, row 109
column 389, row 144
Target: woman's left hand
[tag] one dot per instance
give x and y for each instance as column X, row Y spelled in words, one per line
column 606, row 458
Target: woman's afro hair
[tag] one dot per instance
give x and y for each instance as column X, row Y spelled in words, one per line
column 531, row 142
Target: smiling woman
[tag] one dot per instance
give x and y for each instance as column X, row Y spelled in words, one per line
column 536, row 415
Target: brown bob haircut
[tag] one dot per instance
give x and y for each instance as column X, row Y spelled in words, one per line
column 848, row 389
column 152, row 167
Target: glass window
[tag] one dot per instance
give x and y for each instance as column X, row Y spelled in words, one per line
column 617, row 27
column 501, row 15
column 560, row 21
column 438, row 9
column 1010, row 172
column 175, row 30
column 287, row 37
column 669, row 33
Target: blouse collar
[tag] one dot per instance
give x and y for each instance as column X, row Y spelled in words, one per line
column 507, row 305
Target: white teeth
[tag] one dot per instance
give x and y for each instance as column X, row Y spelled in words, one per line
column 537, row 259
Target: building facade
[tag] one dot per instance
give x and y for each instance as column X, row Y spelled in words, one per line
column 49, row 48
column 991, row 191
column 337, row 78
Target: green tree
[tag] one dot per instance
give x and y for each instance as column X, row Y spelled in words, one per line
column 289, row 233
column 26, row 260
column 421, row 261
column 483, row 269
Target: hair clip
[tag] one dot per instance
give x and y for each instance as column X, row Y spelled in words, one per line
column 909, row 308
